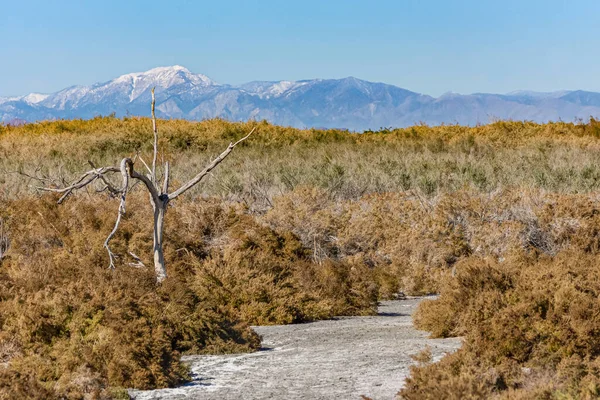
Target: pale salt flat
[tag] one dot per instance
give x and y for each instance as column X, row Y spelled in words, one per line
column 342, row 358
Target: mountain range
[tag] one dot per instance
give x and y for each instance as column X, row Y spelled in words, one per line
column 348, row 103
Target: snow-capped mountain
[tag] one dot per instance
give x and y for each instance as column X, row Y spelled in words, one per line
column 341, row 103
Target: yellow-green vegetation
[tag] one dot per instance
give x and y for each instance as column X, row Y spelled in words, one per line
column 529, row 316
column 558, row 157
column 298, row 225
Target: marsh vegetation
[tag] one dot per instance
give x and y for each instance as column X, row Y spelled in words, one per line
column 501, row 220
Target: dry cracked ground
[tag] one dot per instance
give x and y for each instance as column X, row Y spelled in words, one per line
column 342, row 358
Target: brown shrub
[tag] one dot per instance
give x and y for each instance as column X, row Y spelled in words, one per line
column 451, row 378
column 15, row 386
column 501, row 219
column 82, row 328
column 531, row 328
column 266, row 277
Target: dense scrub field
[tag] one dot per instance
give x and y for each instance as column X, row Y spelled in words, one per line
column 559, row 157
column 501, row 220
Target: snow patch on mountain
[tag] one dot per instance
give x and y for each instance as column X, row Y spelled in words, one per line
column 34, row 98
column 31, row 98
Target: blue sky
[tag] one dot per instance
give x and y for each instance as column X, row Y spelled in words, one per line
column 429, row 46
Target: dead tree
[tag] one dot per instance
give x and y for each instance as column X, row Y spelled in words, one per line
column 159, row 192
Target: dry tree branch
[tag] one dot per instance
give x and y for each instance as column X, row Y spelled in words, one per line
column 89, row 177
column 125, row 174
column 155, row 130
column 145, row 180
column 145, row 165
column 165, row 188
column 138, row 261
column 192, row 182
column 84, row 180
column 127, row 171
column 108, row 186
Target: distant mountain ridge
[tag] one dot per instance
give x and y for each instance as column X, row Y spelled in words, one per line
column 335, row 103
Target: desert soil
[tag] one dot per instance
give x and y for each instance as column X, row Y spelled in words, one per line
column 342, row 358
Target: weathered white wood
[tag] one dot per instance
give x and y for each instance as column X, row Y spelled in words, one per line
column 165, row 188
column 160, row 268
column 121, row 212
column 155, row 131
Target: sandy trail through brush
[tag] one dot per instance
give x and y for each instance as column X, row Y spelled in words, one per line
column 342, row 358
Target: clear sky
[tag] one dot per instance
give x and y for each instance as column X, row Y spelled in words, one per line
column 429, row 46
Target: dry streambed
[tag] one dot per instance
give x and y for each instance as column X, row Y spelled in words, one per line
column 342, row 358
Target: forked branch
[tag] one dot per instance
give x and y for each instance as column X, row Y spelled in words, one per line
column 85, row 179
column 107, row 185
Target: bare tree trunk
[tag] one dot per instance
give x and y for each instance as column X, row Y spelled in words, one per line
column 159, row 258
